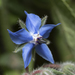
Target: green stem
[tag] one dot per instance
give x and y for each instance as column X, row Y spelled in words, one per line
column 31, row 65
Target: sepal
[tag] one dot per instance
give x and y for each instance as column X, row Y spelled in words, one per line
column 19, row 47
column 43, row 21
column 22, row 24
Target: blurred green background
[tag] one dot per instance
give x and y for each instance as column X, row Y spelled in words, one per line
column 62, row 37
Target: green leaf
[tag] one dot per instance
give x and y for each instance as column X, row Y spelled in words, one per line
column 22, row 24
column 19, row 47
column 43, row 21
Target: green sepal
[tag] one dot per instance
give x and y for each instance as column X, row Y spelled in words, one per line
column 47, row 41
column 43, row 21
column 22, row 24
column 19, row 48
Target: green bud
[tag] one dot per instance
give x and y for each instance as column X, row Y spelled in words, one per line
column 68, row 68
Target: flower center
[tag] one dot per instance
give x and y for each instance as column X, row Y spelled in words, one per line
column 38, row 39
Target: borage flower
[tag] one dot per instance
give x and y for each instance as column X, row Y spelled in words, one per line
column 34, row 37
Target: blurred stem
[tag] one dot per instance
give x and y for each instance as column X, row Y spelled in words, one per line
column 5, row 24
column 27, row 70
column 31, row 65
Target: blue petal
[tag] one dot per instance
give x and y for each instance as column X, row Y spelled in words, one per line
column 44, row 52
column 27, row 54
column 33, row 22
column 46, row 29
column 20, row 37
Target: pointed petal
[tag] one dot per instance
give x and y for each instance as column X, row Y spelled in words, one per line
column 44, row 52
column 33, row 22
column 27, row 54
column 20, row 37
column 46, row 29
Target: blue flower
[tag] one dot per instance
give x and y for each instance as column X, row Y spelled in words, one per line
column 34, row 38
